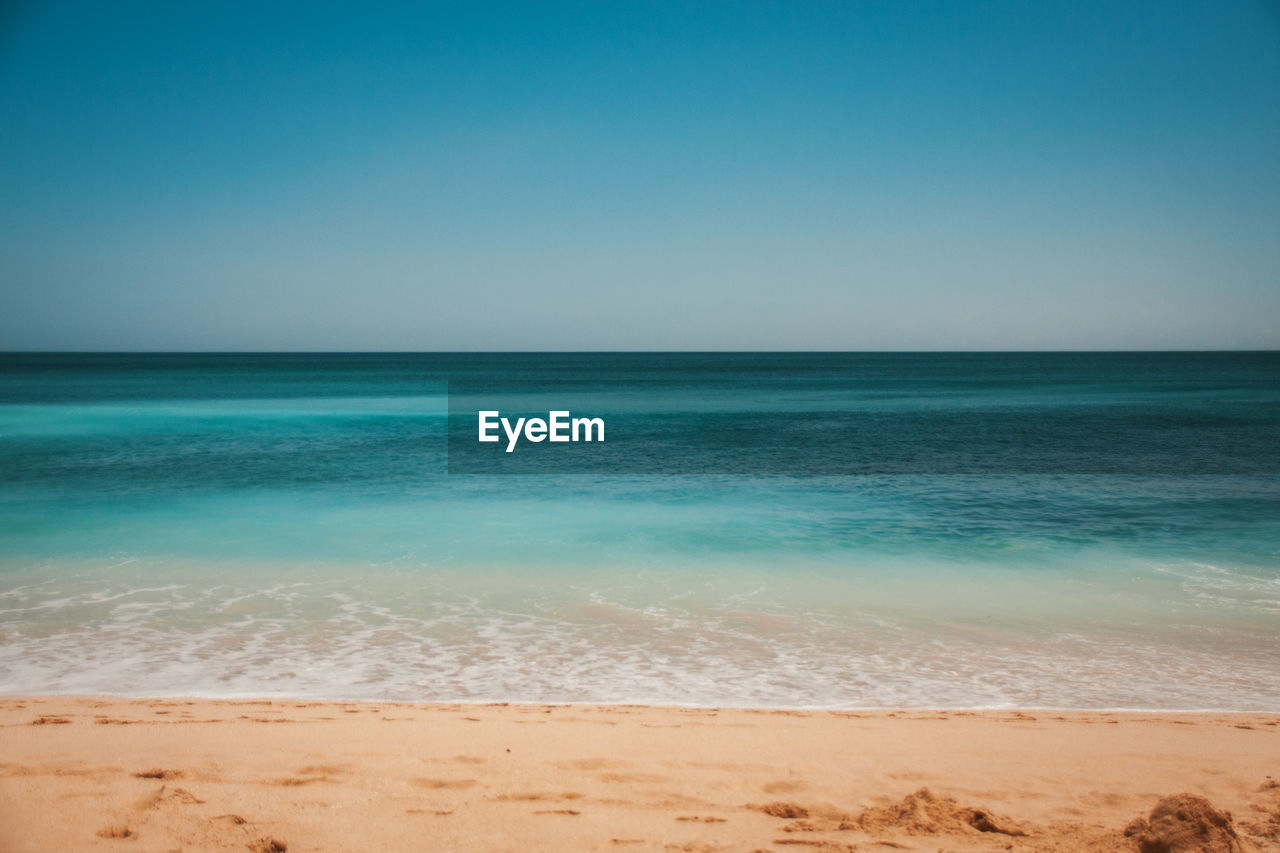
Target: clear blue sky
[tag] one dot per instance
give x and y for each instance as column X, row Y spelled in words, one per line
column 844, row 175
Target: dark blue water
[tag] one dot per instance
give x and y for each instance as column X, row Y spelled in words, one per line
column 1071, row 530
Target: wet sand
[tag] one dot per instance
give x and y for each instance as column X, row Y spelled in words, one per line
column 86, row 773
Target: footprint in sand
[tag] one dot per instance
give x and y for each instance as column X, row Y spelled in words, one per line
column 268, row 845
column 164, row 796
column 533, row 796
column 784, row 787
column 645, row 778
column 789, row 811
column 445, row 783
column 297, row 781
column 159, row 773
column 323, row 769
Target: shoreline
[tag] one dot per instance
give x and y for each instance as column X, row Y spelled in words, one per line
column 93, row 772
column 283, row 699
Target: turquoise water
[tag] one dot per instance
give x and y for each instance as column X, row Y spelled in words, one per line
column 858, row 530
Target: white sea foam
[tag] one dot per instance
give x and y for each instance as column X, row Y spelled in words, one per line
column 672, row 639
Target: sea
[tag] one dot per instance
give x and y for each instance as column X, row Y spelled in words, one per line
column 774, row 530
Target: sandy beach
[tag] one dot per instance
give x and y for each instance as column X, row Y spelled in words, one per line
column 86, row 773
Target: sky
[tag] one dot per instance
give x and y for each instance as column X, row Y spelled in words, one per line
column 640, row 176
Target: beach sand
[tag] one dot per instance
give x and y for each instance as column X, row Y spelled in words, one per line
column 85, row 773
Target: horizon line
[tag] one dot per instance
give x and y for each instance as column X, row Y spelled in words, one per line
column 1206, row 350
